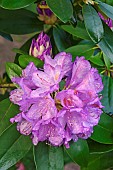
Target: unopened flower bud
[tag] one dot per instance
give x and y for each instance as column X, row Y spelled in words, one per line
column 89, row 2
column 45, row 14
column 41, row 46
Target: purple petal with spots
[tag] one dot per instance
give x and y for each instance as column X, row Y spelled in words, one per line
column 91, row 83
column 49, row 132
column 64, row 60
column 44, row 108
column 80, row 69
column 69, row 99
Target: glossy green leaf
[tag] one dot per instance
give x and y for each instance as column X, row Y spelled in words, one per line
column 87, row 54
column 81, row 50
column 62, row 8
column 28, row 160
column 67, row 158
column 48, row 157
column 79, row 31
column 106, row 44
column 7, row 111
column 110, row 2
column 103, row 132
column 14, row 147
column 93, row 23
column 6, row 36
column 5, row 136
column 107, row 94
column 97, row 59
column 106, row 9
column 13, row 70
column 32, row 7
column 107, row 61
column 24, row 60
column 100, row 162
column 19, row 22
column 18, row 51
column 60, row 39
column 79, row 152
column 14, row 4
column 97, row 148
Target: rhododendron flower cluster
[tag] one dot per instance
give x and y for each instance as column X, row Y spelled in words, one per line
column 55, row 114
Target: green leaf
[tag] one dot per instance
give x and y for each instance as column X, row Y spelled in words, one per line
column 81, row 50
column 97, row 59
column 14, row 4
column 4, row 142
column 62, row 8
column 100, row 162
column 48, row 157
column 32, row 8
column 97, row 148
column 79, row 31
column 14, row 147
column 93, row 23
column 24, row 60
column 7, row 111
column 103, row 132
column 67, row 158
column 107, row 94
column 13, row 70
column 6, row 36
column 106, row 9
column 106, row 44
column 28, row 160
column 18, row 51
column 60, row 39
column 79, row 152
column 25, row 22
column 107, row 61
column 110, row 2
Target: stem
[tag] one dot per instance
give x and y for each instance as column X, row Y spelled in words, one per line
column 102, row 71
column 9, row 85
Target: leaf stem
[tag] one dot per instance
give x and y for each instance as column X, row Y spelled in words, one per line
column 9, row 85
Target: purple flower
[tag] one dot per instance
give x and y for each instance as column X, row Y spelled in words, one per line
column 45, row 14
column 108, row 21
column 54, row 70
column 43, row 109
column 16, row 96
column 57, row 117
column 69, row 99
column 25, row 80
column 64, row 60
column 47, row 81
column 41, row 46
column 80, row 69
column 49, row 132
